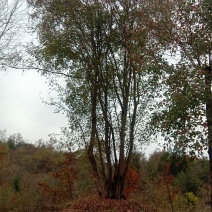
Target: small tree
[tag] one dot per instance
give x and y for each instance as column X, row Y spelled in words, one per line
column 60, row 187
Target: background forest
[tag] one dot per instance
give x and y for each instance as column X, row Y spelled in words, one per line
column 41, row 178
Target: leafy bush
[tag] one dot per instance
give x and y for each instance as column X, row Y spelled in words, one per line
column 192, row 198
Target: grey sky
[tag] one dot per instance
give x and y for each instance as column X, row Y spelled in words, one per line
column 22, row 109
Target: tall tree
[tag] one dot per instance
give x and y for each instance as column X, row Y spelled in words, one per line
column 186, row 113
column 107, row 55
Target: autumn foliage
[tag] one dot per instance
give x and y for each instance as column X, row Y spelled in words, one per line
column 61, row 186
column 132, row 182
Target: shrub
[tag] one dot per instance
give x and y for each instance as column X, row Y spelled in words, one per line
column 192, row 198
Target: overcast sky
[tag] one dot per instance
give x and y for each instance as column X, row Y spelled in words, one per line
column 22, row 110
column 21, row 107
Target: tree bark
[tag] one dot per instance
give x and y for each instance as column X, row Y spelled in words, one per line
column 208, row 95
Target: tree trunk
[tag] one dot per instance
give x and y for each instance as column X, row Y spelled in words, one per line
column 91, row 156
column 116, row 187
column 208, row 94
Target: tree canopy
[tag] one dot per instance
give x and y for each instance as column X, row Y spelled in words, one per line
column 188, row 40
